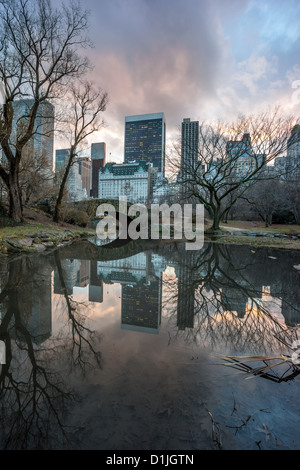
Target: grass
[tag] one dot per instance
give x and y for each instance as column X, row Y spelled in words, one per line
column 26, row 229
column 259, row 242
column 260, row 226
column 30, row 225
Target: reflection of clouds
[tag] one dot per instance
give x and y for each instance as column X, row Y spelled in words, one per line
column 110, row 308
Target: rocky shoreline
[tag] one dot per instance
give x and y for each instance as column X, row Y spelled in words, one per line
column 40, row 241
column 43, row 241
column 242, row 233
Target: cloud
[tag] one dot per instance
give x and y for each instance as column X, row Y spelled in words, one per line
column 200, row 59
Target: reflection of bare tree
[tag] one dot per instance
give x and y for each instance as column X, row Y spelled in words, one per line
column 34, row 394
column 228, row 308
column 82, row 337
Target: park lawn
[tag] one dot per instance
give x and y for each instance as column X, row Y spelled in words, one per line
column 23, row 229
column 259, row 242
column 37, row 224
column 260, row 226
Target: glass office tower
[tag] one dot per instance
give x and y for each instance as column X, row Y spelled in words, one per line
column 145, row 139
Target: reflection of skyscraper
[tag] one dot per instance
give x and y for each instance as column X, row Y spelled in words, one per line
column 70, row 269
column 36, row 311
column 96, row 284
column 185, row 273
column 141, row 307
column 290, row 294
column 141, row 290
column 235, row 299
column 83, row 273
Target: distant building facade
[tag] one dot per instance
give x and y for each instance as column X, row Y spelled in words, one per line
column 189, row 144
column 240, row 154
column 293, row 155
column 85, row 171
column 132, row 180
column 98, row 161
column 145, row 139
column 41, row 144
column 75, row 187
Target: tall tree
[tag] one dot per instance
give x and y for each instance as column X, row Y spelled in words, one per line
column 231, row 158
column 39, row 53
column 82, row 117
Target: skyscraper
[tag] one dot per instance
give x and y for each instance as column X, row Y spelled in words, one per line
column 189, row 144
column 85, row 171
column 243, row 160
column 75, row 185
column 42, row 141
column 293, row 155
column 145, row 139
column 98, row 156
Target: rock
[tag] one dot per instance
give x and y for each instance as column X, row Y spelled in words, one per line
column 17, row 244
column 297, row 266
column 25, row 241
column 39, row 247
column 11, row 246
column 48, row 244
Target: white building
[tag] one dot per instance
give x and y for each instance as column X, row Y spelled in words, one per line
column 132, row 180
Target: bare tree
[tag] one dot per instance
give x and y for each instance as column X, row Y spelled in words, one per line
column 267, row 197
column 292, row 194
column 231, row 157
column 35, row 180
column 82, row 117
column 39, row 54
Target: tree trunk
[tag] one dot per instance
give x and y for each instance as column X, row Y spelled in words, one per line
column 14, row 194
column 58, row 203
column 61, row 190
column 216, row 219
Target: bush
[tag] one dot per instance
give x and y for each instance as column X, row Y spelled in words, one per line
column 76, row 217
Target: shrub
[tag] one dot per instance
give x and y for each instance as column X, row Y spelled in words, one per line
column 76, row 217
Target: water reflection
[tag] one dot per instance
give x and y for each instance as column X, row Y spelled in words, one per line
column 225, row 299
column 34, row 393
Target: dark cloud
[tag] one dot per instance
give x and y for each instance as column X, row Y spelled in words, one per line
column 191, row 58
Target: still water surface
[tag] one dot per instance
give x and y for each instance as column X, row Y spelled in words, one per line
column 119, row 349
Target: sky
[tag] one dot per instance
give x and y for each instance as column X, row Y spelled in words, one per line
column 200, row 59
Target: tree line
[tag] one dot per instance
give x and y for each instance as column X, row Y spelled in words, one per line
column 42, row 62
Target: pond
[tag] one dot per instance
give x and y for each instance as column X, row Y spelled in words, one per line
column 147, row 346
